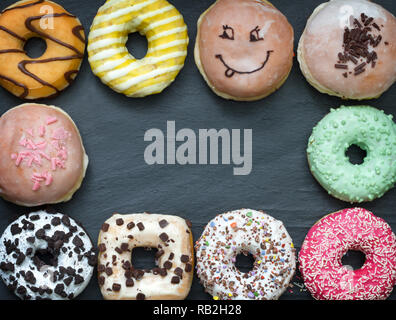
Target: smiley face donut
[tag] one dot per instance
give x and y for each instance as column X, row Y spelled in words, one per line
column 171, row 235
column 42, row 158
column 167, row 39
column 348, row 49
column 65, row 243
column 331, row 238
column 244, row 48
column 56, row 69
column 371, row 130
column 245, row 231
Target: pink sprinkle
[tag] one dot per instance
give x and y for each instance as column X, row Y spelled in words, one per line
column 31, row 144
column 53, row 164
column 23, row 142
column 30, row 161
column 30, row 132
column 41, row 144
column 14, row 156
column 41, row 131
column 51, row 120
column 36, row 186
column 18, row 160
column 48, row 179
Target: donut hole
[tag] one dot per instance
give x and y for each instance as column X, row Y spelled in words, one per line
column 137, row 45
column 143, row 258
column 44, row 257
column 35, row 47
column 244, row 262
column 356, row 154
column 354, row 259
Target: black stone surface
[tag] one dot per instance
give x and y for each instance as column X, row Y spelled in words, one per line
column 118, row 179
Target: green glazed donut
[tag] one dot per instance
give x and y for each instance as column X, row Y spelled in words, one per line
column 371, row 130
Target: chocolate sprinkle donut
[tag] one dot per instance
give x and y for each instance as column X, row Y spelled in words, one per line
column 68, row 248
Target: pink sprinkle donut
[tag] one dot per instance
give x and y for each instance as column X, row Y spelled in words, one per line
column 327, row 242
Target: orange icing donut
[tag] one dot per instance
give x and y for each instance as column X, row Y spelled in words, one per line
column 51, row 73
column 244, row 48
column 42, row 158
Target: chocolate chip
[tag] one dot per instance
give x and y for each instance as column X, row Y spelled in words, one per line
column 140, row 226
column 175, row 280
column 126, row 265
column 40, row 233
column 129, row 283
column 102, row 247
column 78, row 242
column 30, row 278
column 34, row 217
column 179, row 272
column 163, row 223
column 130, row 225
column 159, row 254
column 116, row 287
column 101, row 280
column 138, row 274
column 15, row 229
column 184, row 258
column 168, row 265
column 188, row 267
column 140, row 296
column 171, row 256
column 55, row 221
column 66, row 221
column 163, row 272
column 109, row 271
column 47, row 226
column 68, row 280
column 101, row 268
column 124, row 246
column 118, row 250
column 119, row 222
column 105, row 227
column 164, row 237
column 59, row 289
column 21, row 290
column 20, row 258
column 189, row 224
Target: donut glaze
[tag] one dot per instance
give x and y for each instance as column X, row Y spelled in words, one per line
column 366, row 127
column 42, row 158
column 244, row 48
column 167, row 38
column 56, row 69
column 323, row 41
column 327, row 242
column 170, row 280
column 72, row 253
column 245, row 231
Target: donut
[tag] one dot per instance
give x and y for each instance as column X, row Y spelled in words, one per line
column 244, row 48
column 170, row 280
column 56, row 69
column 366, row 127
column 167, row 39
column 245, row 231
column 331, row 238
column 42, row 158
column 67, row 245
column 348, row 49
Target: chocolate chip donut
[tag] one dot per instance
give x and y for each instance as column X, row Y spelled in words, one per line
column 51, row 73
column 171, row 235
column 63, row 240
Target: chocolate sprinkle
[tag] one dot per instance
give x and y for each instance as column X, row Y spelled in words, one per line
column 163, row 223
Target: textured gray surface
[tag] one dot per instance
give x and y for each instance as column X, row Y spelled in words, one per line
column 118, row 179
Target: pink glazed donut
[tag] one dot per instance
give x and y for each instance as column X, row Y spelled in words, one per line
column 327, row 242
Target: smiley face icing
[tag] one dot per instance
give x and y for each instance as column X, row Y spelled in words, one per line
column 244, row 48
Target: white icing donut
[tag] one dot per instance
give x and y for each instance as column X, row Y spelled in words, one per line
column 73, row 257
column 171, row 235
column 245, row 231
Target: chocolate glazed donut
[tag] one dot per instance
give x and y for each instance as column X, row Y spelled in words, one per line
column 56, row 69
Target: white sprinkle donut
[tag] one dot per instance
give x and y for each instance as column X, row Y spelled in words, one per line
column 72, row 257
column 170, row 280
column 245, row 231
column 167, row 39
column 332, row 237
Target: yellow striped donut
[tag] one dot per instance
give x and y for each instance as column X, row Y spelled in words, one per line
column 167, row 38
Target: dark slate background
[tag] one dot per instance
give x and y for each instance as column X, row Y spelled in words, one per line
column 118, row 179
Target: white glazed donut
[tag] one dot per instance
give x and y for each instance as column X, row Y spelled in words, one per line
column 171, row 235
column 30, row 278
column 242, row 231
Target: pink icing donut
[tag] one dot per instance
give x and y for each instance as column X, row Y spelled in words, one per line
column 327, row 242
